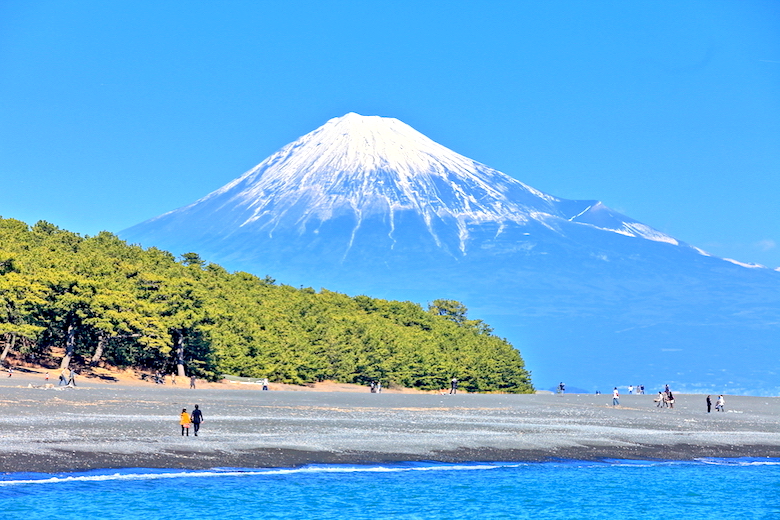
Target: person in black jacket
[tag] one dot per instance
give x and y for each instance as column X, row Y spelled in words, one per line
column 196, row 417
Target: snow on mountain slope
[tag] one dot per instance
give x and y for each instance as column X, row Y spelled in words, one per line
column 602, row 217
column 363, row 166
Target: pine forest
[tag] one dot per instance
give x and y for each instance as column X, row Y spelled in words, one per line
column 72, row 301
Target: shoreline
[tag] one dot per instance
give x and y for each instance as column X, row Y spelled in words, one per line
column 108, row 425
column 77, row 462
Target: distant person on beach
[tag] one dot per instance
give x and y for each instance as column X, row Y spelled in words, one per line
column 630, row 389
column 265, row 383
column 670, row 398
column 661, row 400
column 46, row 378
column 185, row 422
column 454, row 385
column 615, row 397
column 63, row 378
column 72, row 378
column 720, row 405
column 197, row 418
column 561, row 388
column 709, row 404
column 10, row 371
column 192, row 382
column 173, row 378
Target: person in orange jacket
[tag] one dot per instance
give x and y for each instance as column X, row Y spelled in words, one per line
column 185, row 422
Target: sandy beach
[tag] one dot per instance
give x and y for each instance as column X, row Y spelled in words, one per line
column 128, row 423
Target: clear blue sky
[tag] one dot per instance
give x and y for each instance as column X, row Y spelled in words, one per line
column 115, row 112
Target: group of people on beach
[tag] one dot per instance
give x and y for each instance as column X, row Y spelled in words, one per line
column 665, row 399
column 720, row 404
column 376, row 387
column 159, row 378
column 67, row 377
column 190, row 420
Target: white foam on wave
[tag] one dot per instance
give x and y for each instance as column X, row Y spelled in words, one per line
column 253, row 472
column 322, row 469
column 740, row 462
column 711, row 461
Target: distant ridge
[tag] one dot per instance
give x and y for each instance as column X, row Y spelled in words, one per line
column 366, row 204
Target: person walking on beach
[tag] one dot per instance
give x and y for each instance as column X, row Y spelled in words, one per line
column 192, row 382
column 197, row 418
column 265, row 383
column 615, row 397
column 72, row 378
column 670, row 398
column 63, row 378
column 454, row 385
column 709, row 404
column 185, row 422
column 720, row 405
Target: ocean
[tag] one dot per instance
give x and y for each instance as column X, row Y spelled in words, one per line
column 615, row 489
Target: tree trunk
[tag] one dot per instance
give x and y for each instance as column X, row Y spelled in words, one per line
column 9, row 345
column 70, row 346
column 98, row 351
column 101, row 346
column 178, row 345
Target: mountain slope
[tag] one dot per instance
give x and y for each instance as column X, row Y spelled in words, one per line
column 357, row 168
column 369, row 205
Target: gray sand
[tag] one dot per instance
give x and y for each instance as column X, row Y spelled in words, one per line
column 111, row 425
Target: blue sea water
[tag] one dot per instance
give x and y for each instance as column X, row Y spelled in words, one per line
column 707, row 488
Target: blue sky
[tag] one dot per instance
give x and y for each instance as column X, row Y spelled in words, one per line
column 115, row 112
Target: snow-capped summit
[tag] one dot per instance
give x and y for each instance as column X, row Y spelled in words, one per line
column 367, row 165
column 362, row 167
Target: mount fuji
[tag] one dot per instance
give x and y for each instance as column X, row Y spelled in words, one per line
column 368, row 205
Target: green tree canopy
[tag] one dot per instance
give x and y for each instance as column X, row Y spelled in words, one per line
column 97, row 299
